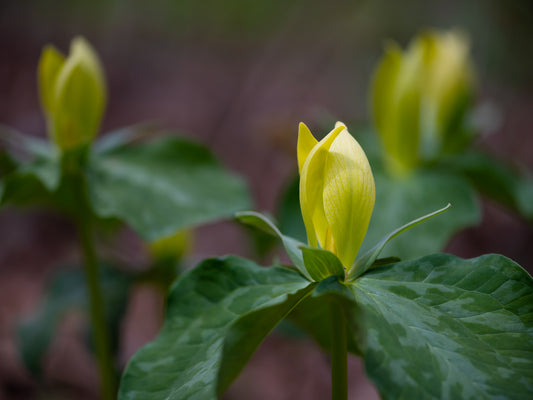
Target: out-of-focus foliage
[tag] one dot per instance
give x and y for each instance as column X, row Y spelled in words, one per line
column 67, row 293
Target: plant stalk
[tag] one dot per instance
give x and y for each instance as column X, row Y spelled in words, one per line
column 339, row 354
column 98, row 322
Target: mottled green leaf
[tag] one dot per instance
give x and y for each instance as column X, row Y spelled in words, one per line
column 441, row 327
column 163, row 186
column 216, row 299
column 67, row 292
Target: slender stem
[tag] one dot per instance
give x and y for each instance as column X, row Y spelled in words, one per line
column 98, row 323
column 339, row 354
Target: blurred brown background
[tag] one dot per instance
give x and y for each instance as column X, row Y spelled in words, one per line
column 238, row 76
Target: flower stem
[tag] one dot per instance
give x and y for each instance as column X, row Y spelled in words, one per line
column 339, row 355
column 98, row 323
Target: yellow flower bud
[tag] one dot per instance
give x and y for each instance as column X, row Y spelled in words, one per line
column 73, row 93
column 172, row 247
column 420, row 97
column 337, row 191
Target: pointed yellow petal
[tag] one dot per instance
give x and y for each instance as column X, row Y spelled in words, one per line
column 311, row 186
column 306, row 142
column 349, row 194
column 50, row 64
column 339, row 123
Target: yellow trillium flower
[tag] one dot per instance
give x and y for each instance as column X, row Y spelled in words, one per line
column 73, row 93
column 337, row 191
column 420, row 96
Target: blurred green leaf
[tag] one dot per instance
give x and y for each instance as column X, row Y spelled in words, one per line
column 30, row 183
column 124, row 136
column 213, row 303
column 27, row 145
column 401, row 200
column 7, row 163
column 163, row 186
column 67, row 292
column 27, row 182
column 506, row 185
column 441, row 327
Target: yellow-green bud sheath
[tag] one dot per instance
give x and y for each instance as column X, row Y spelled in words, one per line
column 337, row 191
column 73, row 93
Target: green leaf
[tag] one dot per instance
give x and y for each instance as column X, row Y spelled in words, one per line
column 292, row 246
column 321, row 263
column 163, row 186
column 205, row 306
column 441, row 327
column 369, row 259
column 24, row 181
column 65, row 293
column 25, row 144
column 506, row 185
column 401, row 200
column 30, row 183
column 7, row 163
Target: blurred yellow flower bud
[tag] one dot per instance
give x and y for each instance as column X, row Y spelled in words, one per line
column 172, row 247
column 420, row 97
column 337, row 191
column 73, row 93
